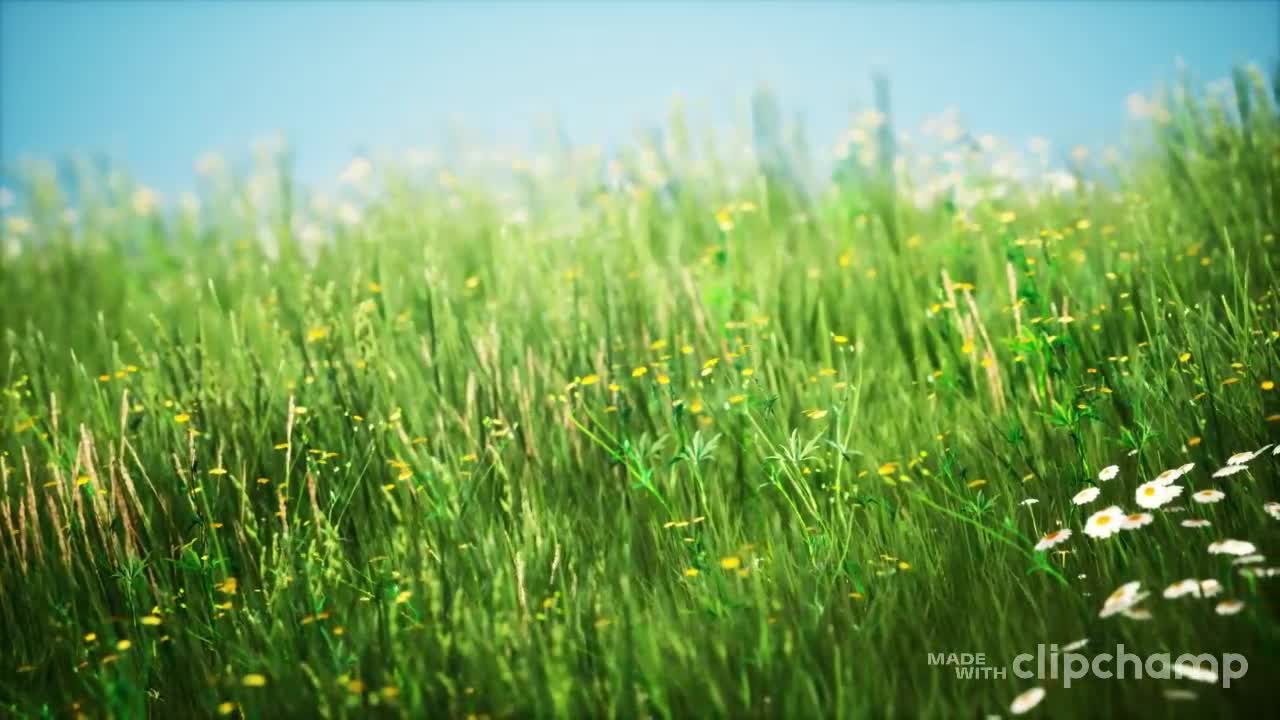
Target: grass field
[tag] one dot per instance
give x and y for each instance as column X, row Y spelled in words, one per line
column 688, row 443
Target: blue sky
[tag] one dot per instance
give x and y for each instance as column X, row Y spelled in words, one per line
column 154, row 84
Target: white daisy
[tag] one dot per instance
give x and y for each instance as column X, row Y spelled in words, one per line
column 1025, row 702
column 1152, row 495
column 1173, row 509
column 1136, row 520
column 1272, row 509
column 1029, row 501
column 1124, row 597
column 1137, row 614
column 1204, row 497
column 1196, row 523
column 1194, row 672
column 1109, row 473
column 1053, row 538
column 1259, row 572
column 1168, row 476
column 1229, row 607
column 1086, row 496
column 1210, row 587
column 1073, row 646
column 1186, row 468
column 1232, row 547
column 1229, row 470
column 1104, row 523
column 1276, row 450
column 1183, row 587
column 1248, row 560
column 1240, row 458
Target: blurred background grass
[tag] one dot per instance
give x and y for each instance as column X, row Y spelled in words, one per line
column 154, row 85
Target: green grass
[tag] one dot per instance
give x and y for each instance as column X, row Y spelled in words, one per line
column 414, row 467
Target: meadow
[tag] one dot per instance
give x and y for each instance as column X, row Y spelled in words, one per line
column 672, row 434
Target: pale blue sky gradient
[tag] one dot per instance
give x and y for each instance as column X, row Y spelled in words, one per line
column 154, row 83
